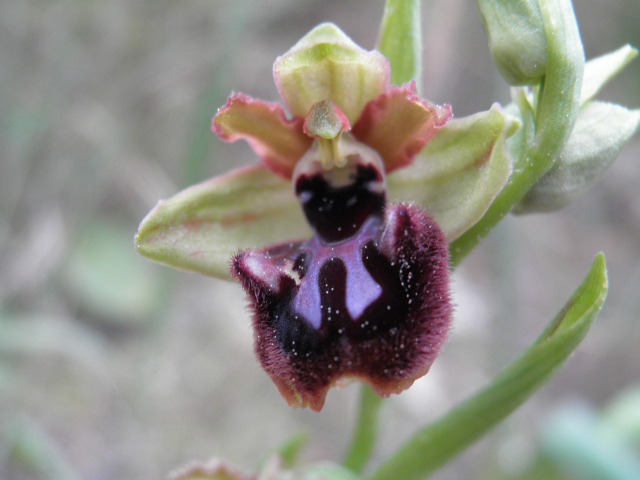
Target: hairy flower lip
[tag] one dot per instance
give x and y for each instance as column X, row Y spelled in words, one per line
column 409, row 255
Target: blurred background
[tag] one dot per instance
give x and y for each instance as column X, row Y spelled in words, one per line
column 112, row 367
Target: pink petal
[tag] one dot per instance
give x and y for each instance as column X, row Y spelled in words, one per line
column 279, row 141
column 399, row 123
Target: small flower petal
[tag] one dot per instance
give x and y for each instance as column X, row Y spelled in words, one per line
column 459, row 173
column 201, row 227
column 399, row 123
column 327, row 65
column 277, row 140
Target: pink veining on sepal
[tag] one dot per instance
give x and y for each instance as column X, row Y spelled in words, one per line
column 399, row 123
column 278, row 140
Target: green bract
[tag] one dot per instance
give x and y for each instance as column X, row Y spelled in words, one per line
column 600, row 132
column 516, row 38
column 602, row 129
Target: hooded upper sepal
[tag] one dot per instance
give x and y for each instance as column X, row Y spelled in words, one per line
column 327, row 65
column 398, row 124
column 201, row 227
column 279, row 141
column 460, row 171
column 601, row 131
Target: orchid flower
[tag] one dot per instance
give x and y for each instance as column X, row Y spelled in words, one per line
column 340, row 235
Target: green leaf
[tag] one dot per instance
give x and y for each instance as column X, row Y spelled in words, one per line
column 435, row 444
column 600, row 133
column 460, row 171
column 598, row 71
column 201, row 227
column 400, row 40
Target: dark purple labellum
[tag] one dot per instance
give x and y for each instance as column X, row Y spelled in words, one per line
column 367, row 297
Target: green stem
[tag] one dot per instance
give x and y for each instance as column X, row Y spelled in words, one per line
column 366, row 431
column 400, row 40
column 556, row 113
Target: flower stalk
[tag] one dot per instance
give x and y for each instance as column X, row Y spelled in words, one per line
column 366, row 430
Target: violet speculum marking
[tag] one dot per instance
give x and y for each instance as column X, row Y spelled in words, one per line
column 367, row 296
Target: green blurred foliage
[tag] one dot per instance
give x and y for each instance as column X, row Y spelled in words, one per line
column 110, row 367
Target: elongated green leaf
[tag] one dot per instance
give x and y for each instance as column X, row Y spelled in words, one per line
column 460, row 172
column 201, row 227
column 433, row 445
column 400, row 40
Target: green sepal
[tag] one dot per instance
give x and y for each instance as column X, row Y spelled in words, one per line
column 201, row 227
column 460, row 171
column 557, row 105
